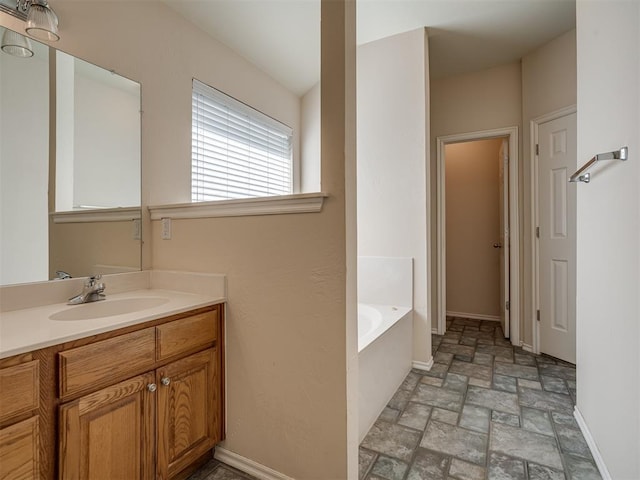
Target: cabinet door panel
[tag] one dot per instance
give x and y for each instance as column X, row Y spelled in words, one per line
column 19, row 451
column 109, row 434
column 188, row 411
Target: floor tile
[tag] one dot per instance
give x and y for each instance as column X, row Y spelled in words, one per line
column 523, row 444
column 567, row 373
column 540, row 472
column 506, row 418
column 475, row 418
column 525, row 360
column 483, row 359
column 529, row 384
column 432, row 381
column 455, row 382
column 392, row 440
column 415, row 416
column 471, row 370
column 399, row 399
column 389, row 414
column 443, row 357
column 365, row 460
column 466, row 471
column 581, row 469
column 545, row 400
column 536, row 421
column 459, row 349
column 477, row 382
column 554, row 384
column 502, row 467
column 446, row 416
column 428, row 465
column 496, row 351
column 515, row 370
column 572, row 441
column 410, row 381
column 504, row 383
column 564, row 419
column 493, row 399
column 389, row 468
column 455, row 441
column 437, row 397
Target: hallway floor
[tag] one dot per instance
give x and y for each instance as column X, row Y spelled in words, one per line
column 486, row 410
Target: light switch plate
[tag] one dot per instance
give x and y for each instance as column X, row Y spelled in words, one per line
column 166, row 229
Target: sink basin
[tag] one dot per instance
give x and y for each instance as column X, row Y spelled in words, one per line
column 108, row 308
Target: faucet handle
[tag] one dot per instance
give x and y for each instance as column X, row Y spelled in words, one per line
column 91, row 281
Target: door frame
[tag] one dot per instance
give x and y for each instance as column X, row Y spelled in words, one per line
column 534, row 125
column 514, row 230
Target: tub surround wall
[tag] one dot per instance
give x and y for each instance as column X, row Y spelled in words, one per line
column 393, row 151
column 386, row 282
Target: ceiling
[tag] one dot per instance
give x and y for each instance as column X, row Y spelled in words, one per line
column 282, row 37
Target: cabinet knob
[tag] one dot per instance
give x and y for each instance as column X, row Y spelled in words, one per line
column 165, row 381
column 152, row 387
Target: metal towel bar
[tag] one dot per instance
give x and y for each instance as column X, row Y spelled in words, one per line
column 621, row 154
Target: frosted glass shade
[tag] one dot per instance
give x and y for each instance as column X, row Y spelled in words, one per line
column 15, row 44
column 42, row 23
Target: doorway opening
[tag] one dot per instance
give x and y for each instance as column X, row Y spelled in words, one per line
column 484, row 275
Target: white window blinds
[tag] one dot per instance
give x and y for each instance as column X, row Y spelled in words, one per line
column 237, row 152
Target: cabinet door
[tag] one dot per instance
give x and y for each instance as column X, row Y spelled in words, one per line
column 19, row 451
column 109, row 434
column 188, row 411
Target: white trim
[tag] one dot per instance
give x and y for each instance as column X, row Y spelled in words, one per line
column 526, row 347
column 97, row 215
column 434, row 330
column 535, row 248
column 475, row 316
column 514, row 229
column 597, row 456
column 248, row 466
column 426, row 366
column 276, row 205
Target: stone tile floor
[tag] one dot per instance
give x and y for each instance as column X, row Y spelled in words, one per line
column 215, row 470
column 486, row 410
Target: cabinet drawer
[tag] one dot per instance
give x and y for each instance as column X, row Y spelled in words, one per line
column 107, row 361
column 19, row 389
column 186, row 334
column 19, row 451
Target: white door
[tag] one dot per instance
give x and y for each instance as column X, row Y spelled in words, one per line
column 504, row 235
column 557, row 237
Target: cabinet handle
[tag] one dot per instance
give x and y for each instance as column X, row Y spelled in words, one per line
column 165, row 381
column 152, row 387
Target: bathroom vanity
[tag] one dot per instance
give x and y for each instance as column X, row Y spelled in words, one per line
column 142, row 400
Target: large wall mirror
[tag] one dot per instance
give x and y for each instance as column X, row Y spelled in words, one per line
column 69, row 168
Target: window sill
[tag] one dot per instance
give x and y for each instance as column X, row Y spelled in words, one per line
column 97, row 215
column 276, row 205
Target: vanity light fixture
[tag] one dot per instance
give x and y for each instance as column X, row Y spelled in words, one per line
column 15, row 44
column 42, row 21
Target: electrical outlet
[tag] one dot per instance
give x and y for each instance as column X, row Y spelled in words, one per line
column 136, row 229
column 166, row 229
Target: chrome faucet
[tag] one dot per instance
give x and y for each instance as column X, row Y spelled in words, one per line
column 92, row 292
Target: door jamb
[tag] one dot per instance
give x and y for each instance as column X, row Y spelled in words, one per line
column 514, row 231
column 535, row 244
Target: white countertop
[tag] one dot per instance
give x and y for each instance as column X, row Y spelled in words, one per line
column 31, row 328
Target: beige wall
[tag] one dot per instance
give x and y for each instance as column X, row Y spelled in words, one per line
column 77, row 248
column 473, row 226
column 548, row 84
column 608, row 234
column 393, row 118
column 286, row 337
column 470, row 102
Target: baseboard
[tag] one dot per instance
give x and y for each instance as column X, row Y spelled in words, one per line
column 474, row 316
column 604, row 472
column 248, row 466
column 434, row 330
column 526, row 347
column 422, row 365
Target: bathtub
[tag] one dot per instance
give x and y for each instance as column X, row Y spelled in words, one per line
column 385, row 348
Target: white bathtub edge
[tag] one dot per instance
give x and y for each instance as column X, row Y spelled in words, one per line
column 426, row 366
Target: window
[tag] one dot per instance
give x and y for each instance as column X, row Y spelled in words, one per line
column 237, row 152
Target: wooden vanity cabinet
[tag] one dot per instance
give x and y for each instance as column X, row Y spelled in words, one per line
column 153, row 424
column 19, row 419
